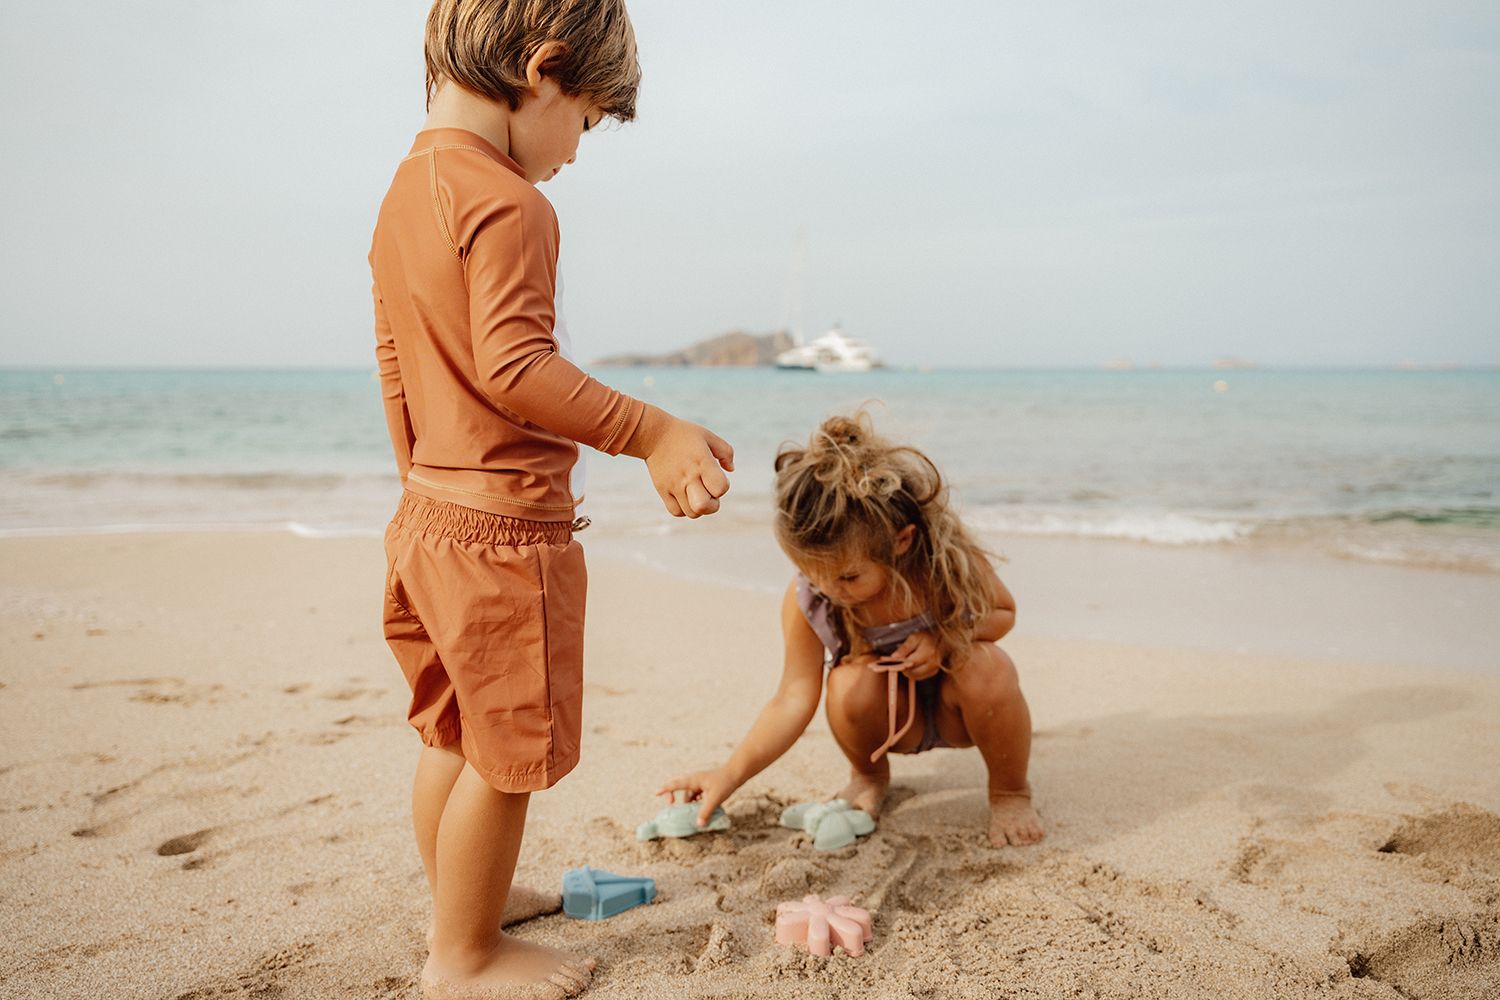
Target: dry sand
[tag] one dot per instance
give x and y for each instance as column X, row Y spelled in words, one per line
column 205, row 769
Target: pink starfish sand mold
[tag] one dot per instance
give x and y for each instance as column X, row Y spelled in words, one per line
column 822, row 924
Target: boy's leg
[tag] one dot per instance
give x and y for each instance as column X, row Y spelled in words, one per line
column 858, row 708
column 437, row 769
column 479, row 838
column 998, row 720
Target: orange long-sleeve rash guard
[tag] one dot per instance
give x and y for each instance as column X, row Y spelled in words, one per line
column 481, row 407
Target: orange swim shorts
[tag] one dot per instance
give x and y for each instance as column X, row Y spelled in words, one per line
column 484, row 613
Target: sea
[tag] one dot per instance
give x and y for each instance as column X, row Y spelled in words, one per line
column 1389, row 466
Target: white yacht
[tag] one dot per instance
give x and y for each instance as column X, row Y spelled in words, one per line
column 833, row 352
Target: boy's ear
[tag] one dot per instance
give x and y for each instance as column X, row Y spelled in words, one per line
column 904, row 539
column 545, row 55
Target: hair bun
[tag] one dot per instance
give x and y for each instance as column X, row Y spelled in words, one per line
column 846, row 432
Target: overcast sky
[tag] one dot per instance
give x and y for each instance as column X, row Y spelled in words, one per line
column 986, row 183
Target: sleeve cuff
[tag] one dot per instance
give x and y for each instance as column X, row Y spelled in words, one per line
column 625, row 425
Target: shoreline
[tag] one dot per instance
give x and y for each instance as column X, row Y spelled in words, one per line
column 1343, row 537
column 1266, row 600
column 206, row 769
column 1269, row 598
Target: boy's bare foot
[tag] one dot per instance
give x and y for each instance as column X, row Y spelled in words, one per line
column 866, row 791
column 513, row 970
column 521, row 905
column 525, row 903
column 1013, row 819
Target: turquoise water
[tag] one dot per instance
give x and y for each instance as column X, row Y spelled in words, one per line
column 1399, row 466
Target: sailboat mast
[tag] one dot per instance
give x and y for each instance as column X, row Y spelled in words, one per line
column 792, row 317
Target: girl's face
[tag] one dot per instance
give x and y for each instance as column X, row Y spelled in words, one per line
column 853, row 579
column 850, row 582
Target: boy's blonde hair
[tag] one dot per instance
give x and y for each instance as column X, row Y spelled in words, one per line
column 849, row 493
column 484, row 46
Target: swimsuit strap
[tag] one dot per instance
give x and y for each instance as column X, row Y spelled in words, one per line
column 824, row 620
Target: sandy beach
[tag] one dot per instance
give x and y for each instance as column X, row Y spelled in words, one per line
column 205, row 771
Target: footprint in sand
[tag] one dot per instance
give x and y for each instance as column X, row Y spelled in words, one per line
column 266, row 978
column 1462, row 835
column 150, row 690
column 186, row 844
column 351, row 693
column 1452, row 956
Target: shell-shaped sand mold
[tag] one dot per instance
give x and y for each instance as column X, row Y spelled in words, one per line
column 680, row 820
column 831, row 824
column 819, row 925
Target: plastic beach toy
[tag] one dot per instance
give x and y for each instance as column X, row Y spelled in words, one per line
column 680, row 820
column 831, row 824
column 591, row 894
column 819, row 925
column 892, row 671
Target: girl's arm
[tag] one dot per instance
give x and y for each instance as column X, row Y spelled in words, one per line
column 1001, row 618
column 923, row 658
column 784, row 718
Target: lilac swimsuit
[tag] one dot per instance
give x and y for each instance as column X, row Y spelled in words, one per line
column 882, row 639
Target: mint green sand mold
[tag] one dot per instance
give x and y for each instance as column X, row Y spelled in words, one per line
column 831, row 824
column 681, row 820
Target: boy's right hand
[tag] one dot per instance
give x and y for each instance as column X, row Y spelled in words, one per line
column 710, row 788
column 686, row 462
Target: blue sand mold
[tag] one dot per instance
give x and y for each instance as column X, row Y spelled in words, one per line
column 592, row 894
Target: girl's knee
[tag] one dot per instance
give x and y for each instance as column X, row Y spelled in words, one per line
column 854, row 691
column 987, row 675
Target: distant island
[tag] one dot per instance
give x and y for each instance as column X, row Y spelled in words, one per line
column 736, row 349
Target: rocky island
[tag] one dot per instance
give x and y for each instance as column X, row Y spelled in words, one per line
column 736, row 349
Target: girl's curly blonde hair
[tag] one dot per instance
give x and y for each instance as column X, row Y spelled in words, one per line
column 849, row 492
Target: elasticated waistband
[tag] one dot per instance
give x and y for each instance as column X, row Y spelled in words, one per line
column 465, row 524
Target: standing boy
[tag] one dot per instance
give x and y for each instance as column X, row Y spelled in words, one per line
column 485, row 586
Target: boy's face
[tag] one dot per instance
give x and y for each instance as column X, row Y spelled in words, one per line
column 545, row 130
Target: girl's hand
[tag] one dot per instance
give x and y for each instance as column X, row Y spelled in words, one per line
column 710, row 788
column 920, row 655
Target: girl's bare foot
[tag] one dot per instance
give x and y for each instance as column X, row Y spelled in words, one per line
column 866, row 791
column 512, row 970
column 521, row 905
column 1013, row 819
